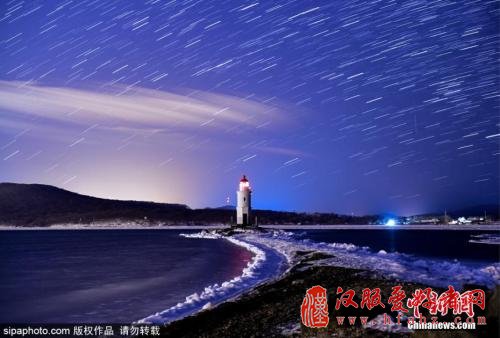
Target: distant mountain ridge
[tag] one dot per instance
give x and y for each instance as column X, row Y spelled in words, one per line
column 44, row 205
column 227, row 207
column 38, row 204
column 491, row 210
column 479, row 210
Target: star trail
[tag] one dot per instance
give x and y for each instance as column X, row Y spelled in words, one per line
column 346, row 106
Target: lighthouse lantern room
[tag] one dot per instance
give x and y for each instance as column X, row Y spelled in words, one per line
column 244, row 205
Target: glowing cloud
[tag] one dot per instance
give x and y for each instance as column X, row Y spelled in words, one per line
column 133, row 106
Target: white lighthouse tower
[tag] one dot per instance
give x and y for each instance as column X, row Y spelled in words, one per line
column 244, row 205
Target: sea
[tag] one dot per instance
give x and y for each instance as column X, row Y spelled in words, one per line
column 106, row 276
column 465, row 246
column 123, row 275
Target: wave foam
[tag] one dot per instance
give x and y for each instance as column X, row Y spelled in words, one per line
column 395, row 265
column 486, row 239
column 253, row 274
column 267, row 263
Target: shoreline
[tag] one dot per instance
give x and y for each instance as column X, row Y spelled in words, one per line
column 319, row 259
column 415, row 268
column 266, row 265
column 272, row 308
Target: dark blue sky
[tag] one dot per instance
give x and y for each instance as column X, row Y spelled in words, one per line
column 347, row 106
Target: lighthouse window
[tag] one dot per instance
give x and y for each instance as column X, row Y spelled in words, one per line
column 244, row 199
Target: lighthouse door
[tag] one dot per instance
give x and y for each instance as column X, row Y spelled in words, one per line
column 245, row 219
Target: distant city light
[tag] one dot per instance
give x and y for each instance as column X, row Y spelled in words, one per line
column 390, row 222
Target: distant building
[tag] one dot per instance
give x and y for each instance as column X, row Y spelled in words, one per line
column 423, row 220
column 463, row 220
column 244, row 203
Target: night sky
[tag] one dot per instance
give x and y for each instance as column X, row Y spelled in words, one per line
column 346, row 106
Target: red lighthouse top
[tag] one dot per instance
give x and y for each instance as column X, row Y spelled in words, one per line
column 244, row 184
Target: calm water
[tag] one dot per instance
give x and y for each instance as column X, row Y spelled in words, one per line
column 443, row 244
column 106, row 275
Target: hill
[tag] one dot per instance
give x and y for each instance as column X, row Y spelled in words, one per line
column 44, row 205
column 40, row 205
column 491, row 210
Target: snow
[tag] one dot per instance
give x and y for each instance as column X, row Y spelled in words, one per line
column 290, row 329
column 377, row 323
column 434, row 272
column 264, row 266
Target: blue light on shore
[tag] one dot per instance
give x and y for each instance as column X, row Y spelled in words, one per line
column 390, row 222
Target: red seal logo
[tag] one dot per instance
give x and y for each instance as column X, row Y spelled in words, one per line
column 314, row 308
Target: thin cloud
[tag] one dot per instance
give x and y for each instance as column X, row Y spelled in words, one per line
column 137, row 107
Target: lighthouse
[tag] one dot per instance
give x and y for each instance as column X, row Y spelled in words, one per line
column 244, row 205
